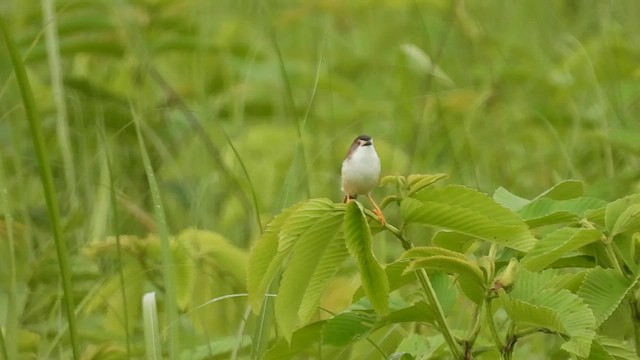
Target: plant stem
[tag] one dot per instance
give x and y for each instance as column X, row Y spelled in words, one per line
column 429, row 292
column 432, row 299
column 510, row 343
column 492, row 325
column 635, row 317
column 612, row 257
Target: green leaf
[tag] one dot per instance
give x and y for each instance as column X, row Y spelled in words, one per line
column 458, row 195
column 302, row 341
column 596, row 216
column 328, row 266
column 574, row 314
column 454, row 241
column 307, row 253
column 620, row 350
column 603, row 290
column 358, row 240
column 476, row 215
column 616, row 208
column 419, row 346
column 571, row 282
column 301, row 220
column 509, row 200
column 418, row 182
column 470, row 276
column 393, row 180
column 445, row 289
column 557, row 244
column 545, row 211
column 351, row 326
column 628, row 221
column 568, row 189
column 528, row 284
column 419, row 312
column 428, row 251
column 347, row 327
column 598, row 352
column 526, row 314
column 263, row 257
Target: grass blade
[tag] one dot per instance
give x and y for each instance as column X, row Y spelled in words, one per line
column 55, row 69
column 47, row 183
column 168, row 266
column 115, row 222
column 151, row 327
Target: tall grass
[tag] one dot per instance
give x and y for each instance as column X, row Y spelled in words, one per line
column 48, row 186
column 244, row 107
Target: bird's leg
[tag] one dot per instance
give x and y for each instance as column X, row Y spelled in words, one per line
column 377, row 210
column 349, row 198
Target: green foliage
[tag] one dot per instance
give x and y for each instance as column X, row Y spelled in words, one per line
column 357, row 236
column 246, row 110
column 468, row 212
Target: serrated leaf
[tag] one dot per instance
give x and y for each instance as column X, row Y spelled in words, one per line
column 571, row 282
column 262, row 257
column 628, row 221
column 575, row 315
column 620, row 350
column 603, row 290
column 307, row 252
column 527, row 314
column 470, row 276
column 358, row 241
column 470, row 219
column 598, row 352
column 328, row 266
column 453, row 241
column 528, row 283
column 509, row 200
column 568, row 189
column 546, row 211
column 557, row 244
column 472, row 199
column 347, row 327
column 418, row 182
column 616, row 208
column 301, row 219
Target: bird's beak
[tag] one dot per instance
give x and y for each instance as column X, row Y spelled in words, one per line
column 367, row 143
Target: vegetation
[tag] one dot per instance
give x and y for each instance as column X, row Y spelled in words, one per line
column 169, row 180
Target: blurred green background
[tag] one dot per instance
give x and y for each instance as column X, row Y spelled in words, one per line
column 246, row 103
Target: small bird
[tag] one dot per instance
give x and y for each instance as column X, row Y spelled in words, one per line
column 361, row 172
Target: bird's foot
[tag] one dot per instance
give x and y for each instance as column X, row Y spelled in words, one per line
column 380, row 216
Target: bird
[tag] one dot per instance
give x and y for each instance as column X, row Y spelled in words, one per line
column 361, row 172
